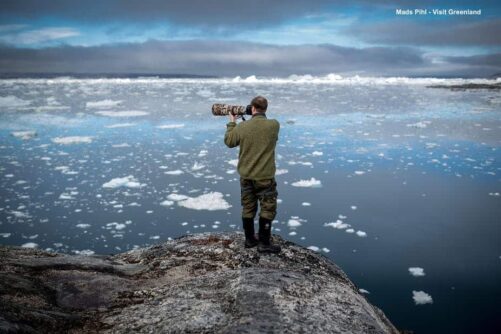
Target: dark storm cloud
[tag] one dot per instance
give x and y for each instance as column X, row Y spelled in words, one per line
column 186, row 12
column 218, row 13
column 463, row 32
column 493, row 60
column 222, row 58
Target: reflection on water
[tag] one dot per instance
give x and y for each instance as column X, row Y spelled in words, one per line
column 378, row 177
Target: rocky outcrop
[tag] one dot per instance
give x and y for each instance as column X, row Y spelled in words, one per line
column 199, row 283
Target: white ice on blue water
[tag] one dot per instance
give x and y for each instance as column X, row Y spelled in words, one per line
column 311, row 183
column 72, row 140
column 127, row 181
column 421, row 297
column 416, row 271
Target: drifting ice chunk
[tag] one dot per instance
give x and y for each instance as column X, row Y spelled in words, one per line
column 128, row 181
column 72, row 140
column 311, row 183
column 421, row 297
column 24, row 135
column 416, row 271
column 210, row 201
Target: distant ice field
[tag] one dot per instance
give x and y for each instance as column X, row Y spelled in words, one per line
column 396, row 182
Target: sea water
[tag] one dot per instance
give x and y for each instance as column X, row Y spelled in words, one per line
column 396, row 182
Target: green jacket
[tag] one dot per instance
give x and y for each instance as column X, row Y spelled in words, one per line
column 257, row 138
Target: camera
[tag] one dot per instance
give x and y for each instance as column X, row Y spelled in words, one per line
column 219, row 109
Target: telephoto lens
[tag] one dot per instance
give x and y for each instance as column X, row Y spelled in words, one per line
column 219, row 109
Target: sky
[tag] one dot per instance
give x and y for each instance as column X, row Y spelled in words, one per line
column 253, row 37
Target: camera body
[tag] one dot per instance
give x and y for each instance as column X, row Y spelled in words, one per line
column 219, row 109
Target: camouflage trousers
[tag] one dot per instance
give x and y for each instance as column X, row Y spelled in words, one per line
column 264, row 191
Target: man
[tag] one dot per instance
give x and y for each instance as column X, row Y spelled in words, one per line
column 257, row 139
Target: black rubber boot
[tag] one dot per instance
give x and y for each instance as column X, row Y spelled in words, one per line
column 250, row 237
column 265, row 245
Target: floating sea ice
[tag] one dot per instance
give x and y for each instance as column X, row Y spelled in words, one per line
column 311, row 183
column 306, row 204
column 325, row 250
column 177, row 197
column 496, row 194
column 5, row 235
column 72, row 140
column 210, row 201
column 128, row 181
column 281, row 171
column 292, row 233
column 350, row 230
column 294, row 222
column 29, row 245
column 233, row 162
column 12, row 102
column 202, row 153
column 361, row 233
column 359, row 172
column 317, row 153
column 416, row 271
column 24, row 135
column 364, row 291
column 421, row 125
column 84, row 226
column 85, row 252
column 174, row 172
column 167, row 203
column 120, row 125
column 102, row 104
column 421, row 297
column 339, row 224
column 314, row 248
column 170, row 126
column 196, row 166
column 127, row 113
column 120, row 145
column 353, row 207
column 117, row 226
column 20, row 214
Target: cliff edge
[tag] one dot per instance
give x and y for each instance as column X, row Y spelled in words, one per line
column 198, row 283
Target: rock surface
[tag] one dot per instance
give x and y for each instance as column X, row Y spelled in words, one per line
column 198, row 283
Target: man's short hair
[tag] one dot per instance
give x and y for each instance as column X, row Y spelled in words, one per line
column 260, row 103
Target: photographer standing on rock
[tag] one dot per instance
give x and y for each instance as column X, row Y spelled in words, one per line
column 257, row 139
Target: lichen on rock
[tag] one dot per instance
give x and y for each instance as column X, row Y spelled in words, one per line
column 197, row 283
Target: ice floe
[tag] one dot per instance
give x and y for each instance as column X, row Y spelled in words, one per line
column 12, row 101
column 210, row 201
column 339, row 224
column 125, row 113
column 127, row 181
column 72, row 140
column 174, row 172
column 29, row 245
column 361, row 233
column 24, row 135
column 421, row 297
column 311, row 183
column 416, row 271
column 170, row 126
column 102, row 104
column 120, row 125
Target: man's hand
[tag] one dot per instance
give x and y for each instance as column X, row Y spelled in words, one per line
column 233, row 118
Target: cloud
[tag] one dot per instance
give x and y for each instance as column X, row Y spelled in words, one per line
column 232, row 58
column 209, row 13
column 465, row 32
column 38, row 35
